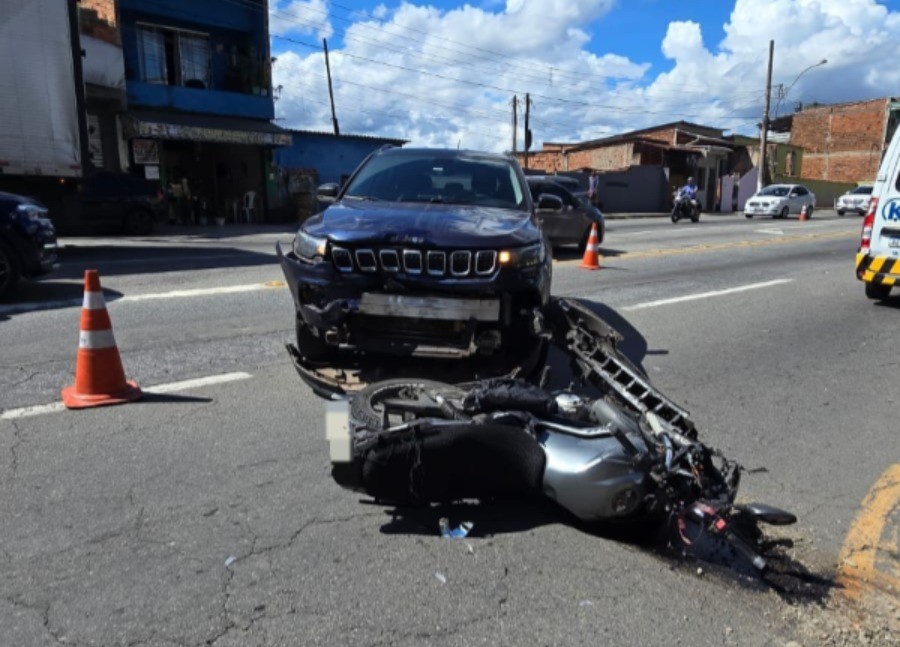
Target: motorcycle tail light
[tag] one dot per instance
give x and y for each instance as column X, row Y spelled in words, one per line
column 869, row 221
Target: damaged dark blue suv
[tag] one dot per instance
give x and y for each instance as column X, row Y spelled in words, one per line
column 424, row 253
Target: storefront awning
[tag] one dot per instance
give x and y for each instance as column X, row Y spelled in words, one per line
column 203, row 128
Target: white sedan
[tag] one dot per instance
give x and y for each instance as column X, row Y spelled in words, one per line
column 856, row 201
column 780, row 200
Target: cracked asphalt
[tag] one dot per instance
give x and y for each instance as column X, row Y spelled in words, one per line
column 208, row 516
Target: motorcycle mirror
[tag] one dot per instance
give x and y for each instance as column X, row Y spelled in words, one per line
column 768, row 514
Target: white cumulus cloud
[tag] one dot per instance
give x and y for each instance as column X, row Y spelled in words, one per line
column 447, row 77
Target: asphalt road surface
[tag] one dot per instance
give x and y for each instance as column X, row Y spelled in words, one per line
column 205, row 514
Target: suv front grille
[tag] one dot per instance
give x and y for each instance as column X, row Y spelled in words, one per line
column 460, row 263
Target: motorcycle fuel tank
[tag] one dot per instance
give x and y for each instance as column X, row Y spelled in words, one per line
column 593, row 478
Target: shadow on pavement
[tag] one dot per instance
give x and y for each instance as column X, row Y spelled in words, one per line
column 488, row 519
column 112, row 260
column 572, row 253
column 163, row 398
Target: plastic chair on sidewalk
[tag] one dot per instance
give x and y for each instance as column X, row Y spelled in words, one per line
column 249, row 210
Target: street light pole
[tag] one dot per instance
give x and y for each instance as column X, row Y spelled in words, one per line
column 764, row 130
column 783, row 94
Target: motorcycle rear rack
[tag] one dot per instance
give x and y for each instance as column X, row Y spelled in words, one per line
column 593, row 347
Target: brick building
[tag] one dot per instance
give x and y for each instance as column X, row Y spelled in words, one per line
column 842, row 142
column 681, row 148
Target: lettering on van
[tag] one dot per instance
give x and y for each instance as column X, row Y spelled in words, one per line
column 891, row 210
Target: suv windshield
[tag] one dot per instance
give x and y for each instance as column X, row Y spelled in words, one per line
column 776, row 190
column 458, row 179
column 863, row 190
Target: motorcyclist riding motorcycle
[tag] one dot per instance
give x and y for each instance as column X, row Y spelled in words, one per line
column 686, row 204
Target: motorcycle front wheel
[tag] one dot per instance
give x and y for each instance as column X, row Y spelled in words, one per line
column 675, row 217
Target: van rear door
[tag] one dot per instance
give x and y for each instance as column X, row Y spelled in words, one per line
column 886, row 228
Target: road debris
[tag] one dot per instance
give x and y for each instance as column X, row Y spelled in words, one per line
column 462, row 530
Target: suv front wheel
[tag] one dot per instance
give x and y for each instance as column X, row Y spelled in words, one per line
column 9, row 270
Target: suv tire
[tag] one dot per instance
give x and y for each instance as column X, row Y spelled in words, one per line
column 311, row 346
column 10, row 270
column 877, row 291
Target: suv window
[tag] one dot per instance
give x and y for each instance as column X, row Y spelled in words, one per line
column 862, row 190
column 552, row 188
column 430, row 177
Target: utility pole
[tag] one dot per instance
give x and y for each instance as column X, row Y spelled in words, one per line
column 764, row 131
column 515, row 124
column 334, row 121
column 527, row 129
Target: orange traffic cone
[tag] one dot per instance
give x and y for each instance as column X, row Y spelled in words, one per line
column 99, row 377
column 591, row 260
column 804, row 213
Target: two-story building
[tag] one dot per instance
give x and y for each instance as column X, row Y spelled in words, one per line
column 199, row 97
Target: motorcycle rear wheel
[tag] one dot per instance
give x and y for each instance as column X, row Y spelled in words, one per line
column 391, row 402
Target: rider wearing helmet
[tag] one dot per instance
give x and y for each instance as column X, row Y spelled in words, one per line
column 689, row 190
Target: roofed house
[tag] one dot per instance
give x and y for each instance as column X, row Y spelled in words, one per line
column 680, row 149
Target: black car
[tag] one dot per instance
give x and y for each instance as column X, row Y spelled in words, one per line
column 120, row 201
column 569, row 223
column 27, row 241
column 424, row 253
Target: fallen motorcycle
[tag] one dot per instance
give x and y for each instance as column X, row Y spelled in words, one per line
column 629, row 454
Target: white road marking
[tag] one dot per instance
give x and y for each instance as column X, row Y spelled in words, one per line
column 777, row 232
column 172, row 387
column 199, row 292
column 706, row 295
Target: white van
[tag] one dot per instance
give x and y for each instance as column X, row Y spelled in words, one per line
column 878, row 258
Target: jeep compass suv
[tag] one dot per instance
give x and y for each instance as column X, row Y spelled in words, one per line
column 428, row 253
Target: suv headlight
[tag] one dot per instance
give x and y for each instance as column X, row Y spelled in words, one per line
column 524, row 256
column 309, row 248
column 32, row 217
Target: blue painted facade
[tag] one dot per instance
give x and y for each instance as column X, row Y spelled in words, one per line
column 239, row 83
column 333, row 157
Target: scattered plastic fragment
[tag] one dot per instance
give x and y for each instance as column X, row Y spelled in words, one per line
column 470, row 547
column 455, row 533
column 441, row 578
column 231, row 560
column 586, row 603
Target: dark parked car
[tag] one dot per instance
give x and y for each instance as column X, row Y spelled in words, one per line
column 122, row 201
column 27, row 241
column 423, row 252
column 571, row 223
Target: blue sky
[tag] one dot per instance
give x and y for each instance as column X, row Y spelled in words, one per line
column 444, row 73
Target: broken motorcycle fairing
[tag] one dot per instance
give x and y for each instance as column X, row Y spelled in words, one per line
column 631, row 453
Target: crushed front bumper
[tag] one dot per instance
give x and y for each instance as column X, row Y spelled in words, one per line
column 412, row 315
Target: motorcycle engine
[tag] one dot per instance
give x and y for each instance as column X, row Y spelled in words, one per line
column 571, row 405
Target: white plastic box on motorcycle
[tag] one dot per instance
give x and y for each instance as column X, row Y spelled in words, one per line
column 629, row 453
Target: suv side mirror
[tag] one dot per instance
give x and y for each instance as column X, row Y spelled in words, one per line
column 327, row 193
column 548, row 202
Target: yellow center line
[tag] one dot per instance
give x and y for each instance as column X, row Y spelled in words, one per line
column 708, row 247
column 856, row 569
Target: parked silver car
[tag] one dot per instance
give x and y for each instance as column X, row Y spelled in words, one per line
column 855, row 201
column 780, row 200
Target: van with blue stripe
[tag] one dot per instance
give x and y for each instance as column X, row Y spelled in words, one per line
column 878, row 258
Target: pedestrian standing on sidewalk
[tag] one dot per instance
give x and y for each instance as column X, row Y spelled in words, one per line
column 593, row 188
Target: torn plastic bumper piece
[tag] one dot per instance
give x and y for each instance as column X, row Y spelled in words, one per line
column 326, row 383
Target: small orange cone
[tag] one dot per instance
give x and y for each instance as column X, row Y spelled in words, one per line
column 804, row 213
column 99, row 377
column 591, row 260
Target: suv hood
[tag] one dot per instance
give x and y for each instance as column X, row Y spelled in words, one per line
column 429, row 224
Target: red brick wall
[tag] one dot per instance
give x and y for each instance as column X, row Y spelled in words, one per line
column 603, row 158
column 547, row 161
column 841, row 143
column 97, row 18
